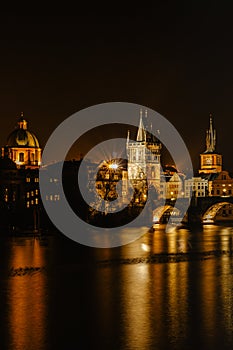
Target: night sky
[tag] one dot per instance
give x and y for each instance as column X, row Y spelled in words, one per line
column 176, row 60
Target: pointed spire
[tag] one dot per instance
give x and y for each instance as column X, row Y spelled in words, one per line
column 210, row 137
column 128, row 134
column 141, row 135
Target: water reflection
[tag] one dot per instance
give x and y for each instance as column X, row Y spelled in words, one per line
column 27, row 296
column 74, row 300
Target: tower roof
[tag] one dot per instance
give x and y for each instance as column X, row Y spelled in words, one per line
column 210, row 138
column 141, row 135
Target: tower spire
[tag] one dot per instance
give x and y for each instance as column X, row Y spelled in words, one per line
column 210, row 137
column 141, row 135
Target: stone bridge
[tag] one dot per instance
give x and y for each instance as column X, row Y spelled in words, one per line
column 201, row 210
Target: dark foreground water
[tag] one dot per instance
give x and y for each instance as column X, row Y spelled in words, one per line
column 164, row 291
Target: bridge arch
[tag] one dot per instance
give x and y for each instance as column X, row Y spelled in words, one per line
column 165, row 211
column 211, row 213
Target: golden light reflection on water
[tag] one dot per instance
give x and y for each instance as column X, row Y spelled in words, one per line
column 146, row 305
column 208, row 299
column 136, row 320
column 226, row 294
column 27, row 297
column 155, row 304
column 177, row 300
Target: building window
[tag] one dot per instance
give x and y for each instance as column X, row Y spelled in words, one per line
column 21, row 157
column 28, row 179
column 28, row 194
column 36, row 179
column 28, row 204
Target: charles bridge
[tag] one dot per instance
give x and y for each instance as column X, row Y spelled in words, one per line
column 200, row 209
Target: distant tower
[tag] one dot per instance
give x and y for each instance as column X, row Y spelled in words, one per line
column 211, row 161
column 144, row 156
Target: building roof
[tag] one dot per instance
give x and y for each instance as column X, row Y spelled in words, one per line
column 22, row 137
column 7, row 164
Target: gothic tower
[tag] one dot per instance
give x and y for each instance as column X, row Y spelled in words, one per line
column 144, row 156
column 211, row 161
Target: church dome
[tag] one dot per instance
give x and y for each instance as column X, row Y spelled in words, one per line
column 22, row 137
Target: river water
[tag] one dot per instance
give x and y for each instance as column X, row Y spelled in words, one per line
column 169, row 290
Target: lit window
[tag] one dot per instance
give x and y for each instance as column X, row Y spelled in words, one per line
column 32, row 193
column 28, row 204
column 28, row 194
column 36, row 201
column 36, row 179
column 28, row 179
column 36, row 192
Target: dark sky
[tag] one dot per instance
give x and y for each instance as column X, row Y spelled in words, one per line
column 176, row 60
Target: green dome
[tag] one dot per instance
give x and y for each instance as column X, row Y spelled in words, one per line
column 22, row 137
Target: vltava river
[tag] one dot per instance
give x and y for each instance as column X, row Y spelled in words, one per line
column 164, row 291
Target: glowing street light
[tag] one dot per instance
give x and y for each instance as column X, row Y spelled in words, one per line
column 113, row 166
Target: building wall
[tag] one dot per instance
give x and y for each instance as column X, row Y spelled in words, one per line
column 222, row 185
column 196, row 186
column 172, row 189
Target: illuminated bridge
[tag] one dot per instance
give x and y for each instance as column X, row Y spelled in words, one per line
column 203, row 210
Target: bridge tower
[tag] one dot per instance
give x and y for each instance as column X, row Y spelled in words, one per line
column 211, row 161
column 144, row 156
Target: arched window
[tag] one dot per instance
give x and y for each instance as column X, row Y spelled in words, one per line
column 21, row 157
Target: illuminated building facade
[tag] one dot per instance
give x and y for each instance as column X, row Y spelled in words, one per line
column 144, row 157
column 196, row 186
column 221, row 185
column 172, row 188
